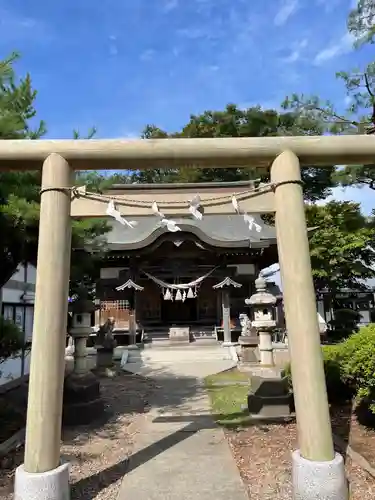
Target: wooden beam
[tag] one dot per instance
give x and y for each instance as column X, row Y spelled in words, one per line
column 220, row 152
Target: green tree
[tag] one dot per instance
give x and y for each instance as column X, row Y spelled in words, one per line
column 236, row 122
column 361, row 22
column 359, row 83
column 20, row 196
column 19, row 191
column 341, row 246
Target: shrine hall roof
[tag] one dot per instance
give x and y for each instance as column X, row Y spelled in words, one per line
column 224, row 231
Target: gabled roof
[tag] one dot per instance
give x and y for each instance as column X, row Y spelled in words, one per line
column 224, row 231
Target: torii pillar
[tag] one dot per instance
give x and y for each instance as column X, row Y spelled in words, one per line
column 42, row 475
column 318, row 472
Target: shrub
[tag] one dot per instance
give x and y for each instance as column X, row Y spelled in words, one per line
column 357, row 361
column 11, row 340
column 344, row 324
column 337, row 388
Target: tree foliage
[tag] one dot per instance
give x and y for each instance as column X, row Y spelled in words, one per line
column 20, row 197
column 19, row 191
column 359, row 83
column 341, row 246
column 11, row 339
column 236, row 122
column 361, row 22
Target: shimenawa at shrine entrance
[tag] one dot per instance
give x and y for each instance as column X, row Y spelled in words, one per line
column 318, row 472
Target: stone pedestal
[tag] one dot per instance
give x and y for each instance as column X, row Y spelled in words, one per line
column 179, row 335
column 265, row 348
column 269, row 398
column 249, row 349
column 104, row 357
column 82, row 400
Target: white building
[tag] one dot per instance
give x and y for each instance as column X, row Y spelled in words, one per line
column 17, row 299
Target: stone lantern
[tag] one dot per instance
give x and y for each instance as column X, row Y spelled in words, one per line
column 80, row 330
column 82, row 401
column 269, row 396
column 263, row 306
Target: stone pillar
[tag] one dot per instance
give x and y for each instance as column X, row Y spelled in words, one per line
column 263, row 304
column 317, row 471
column 80, row 354
column 265, row 348
column 42, row 470
column 225, row 304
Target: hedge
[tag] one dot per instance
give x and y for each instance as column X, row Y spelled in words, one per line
column 350, row 368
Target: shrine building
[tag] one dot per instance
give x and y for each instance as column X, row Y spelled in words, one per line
column 191, row 248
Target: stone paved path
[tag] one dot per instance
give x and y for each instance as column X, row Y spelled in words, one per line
column 180, row 454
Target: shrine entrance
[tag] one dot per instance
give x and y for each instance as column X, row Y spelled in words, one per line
column 178, row 312
column 316, row 459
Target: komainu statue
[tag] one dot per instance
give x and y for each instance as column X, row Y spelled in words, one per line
column 104, row 336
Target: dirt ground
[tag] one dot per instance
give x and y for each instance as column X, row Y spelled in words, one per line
column 345, row 425
column 262, row 454
column 98, row 452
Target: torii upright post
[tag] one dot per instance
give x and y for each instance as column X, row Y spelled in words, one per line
column 42, row 476
column 317, row 471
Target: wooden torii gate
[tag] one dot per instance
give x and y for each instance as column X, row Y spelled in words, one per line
column 59, row 159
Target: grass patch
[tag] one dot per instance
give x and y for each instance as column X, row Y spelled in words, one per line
column 227, row 400
column 232, row 375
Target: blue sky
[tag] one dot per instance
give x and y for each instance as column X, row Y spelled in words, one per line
column 119, row 64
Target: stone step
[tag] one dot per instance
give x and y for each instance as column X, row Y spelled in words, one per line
column 157, row 336
column 172, row 355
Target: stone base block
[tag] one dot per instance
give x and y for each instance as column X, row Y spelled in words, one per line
column 249, row 353
column 319, row 480
column 50, row 485
column 179, row 335
column 104, row 357
column 82, row 400
column 246, row 367
column 269, row 398
column 266, row 372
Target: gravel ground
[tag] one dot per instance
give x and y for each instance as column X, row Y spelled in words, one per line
column 98, row 453
column 262, row 454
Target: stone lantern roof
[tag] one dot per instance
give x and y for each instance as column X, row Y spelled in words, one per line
column 82, row 306
column 262, row 296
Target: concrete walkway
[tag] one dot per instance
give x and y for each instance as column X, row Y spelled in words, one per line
column 180, row 454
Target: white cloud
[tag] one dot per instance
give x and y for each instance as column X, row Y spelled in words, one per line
column 170, row 5
column 296, row 52
column 14, row 27
column 286, row 10
column 147, row 55
column 328, row 5
column 113, row 49
column 194, row 32
column 342, row 46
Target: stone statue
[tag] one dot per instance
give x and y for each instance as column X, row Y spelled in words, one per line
column 245, row 324
column 247, row 330
column 104, row 337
